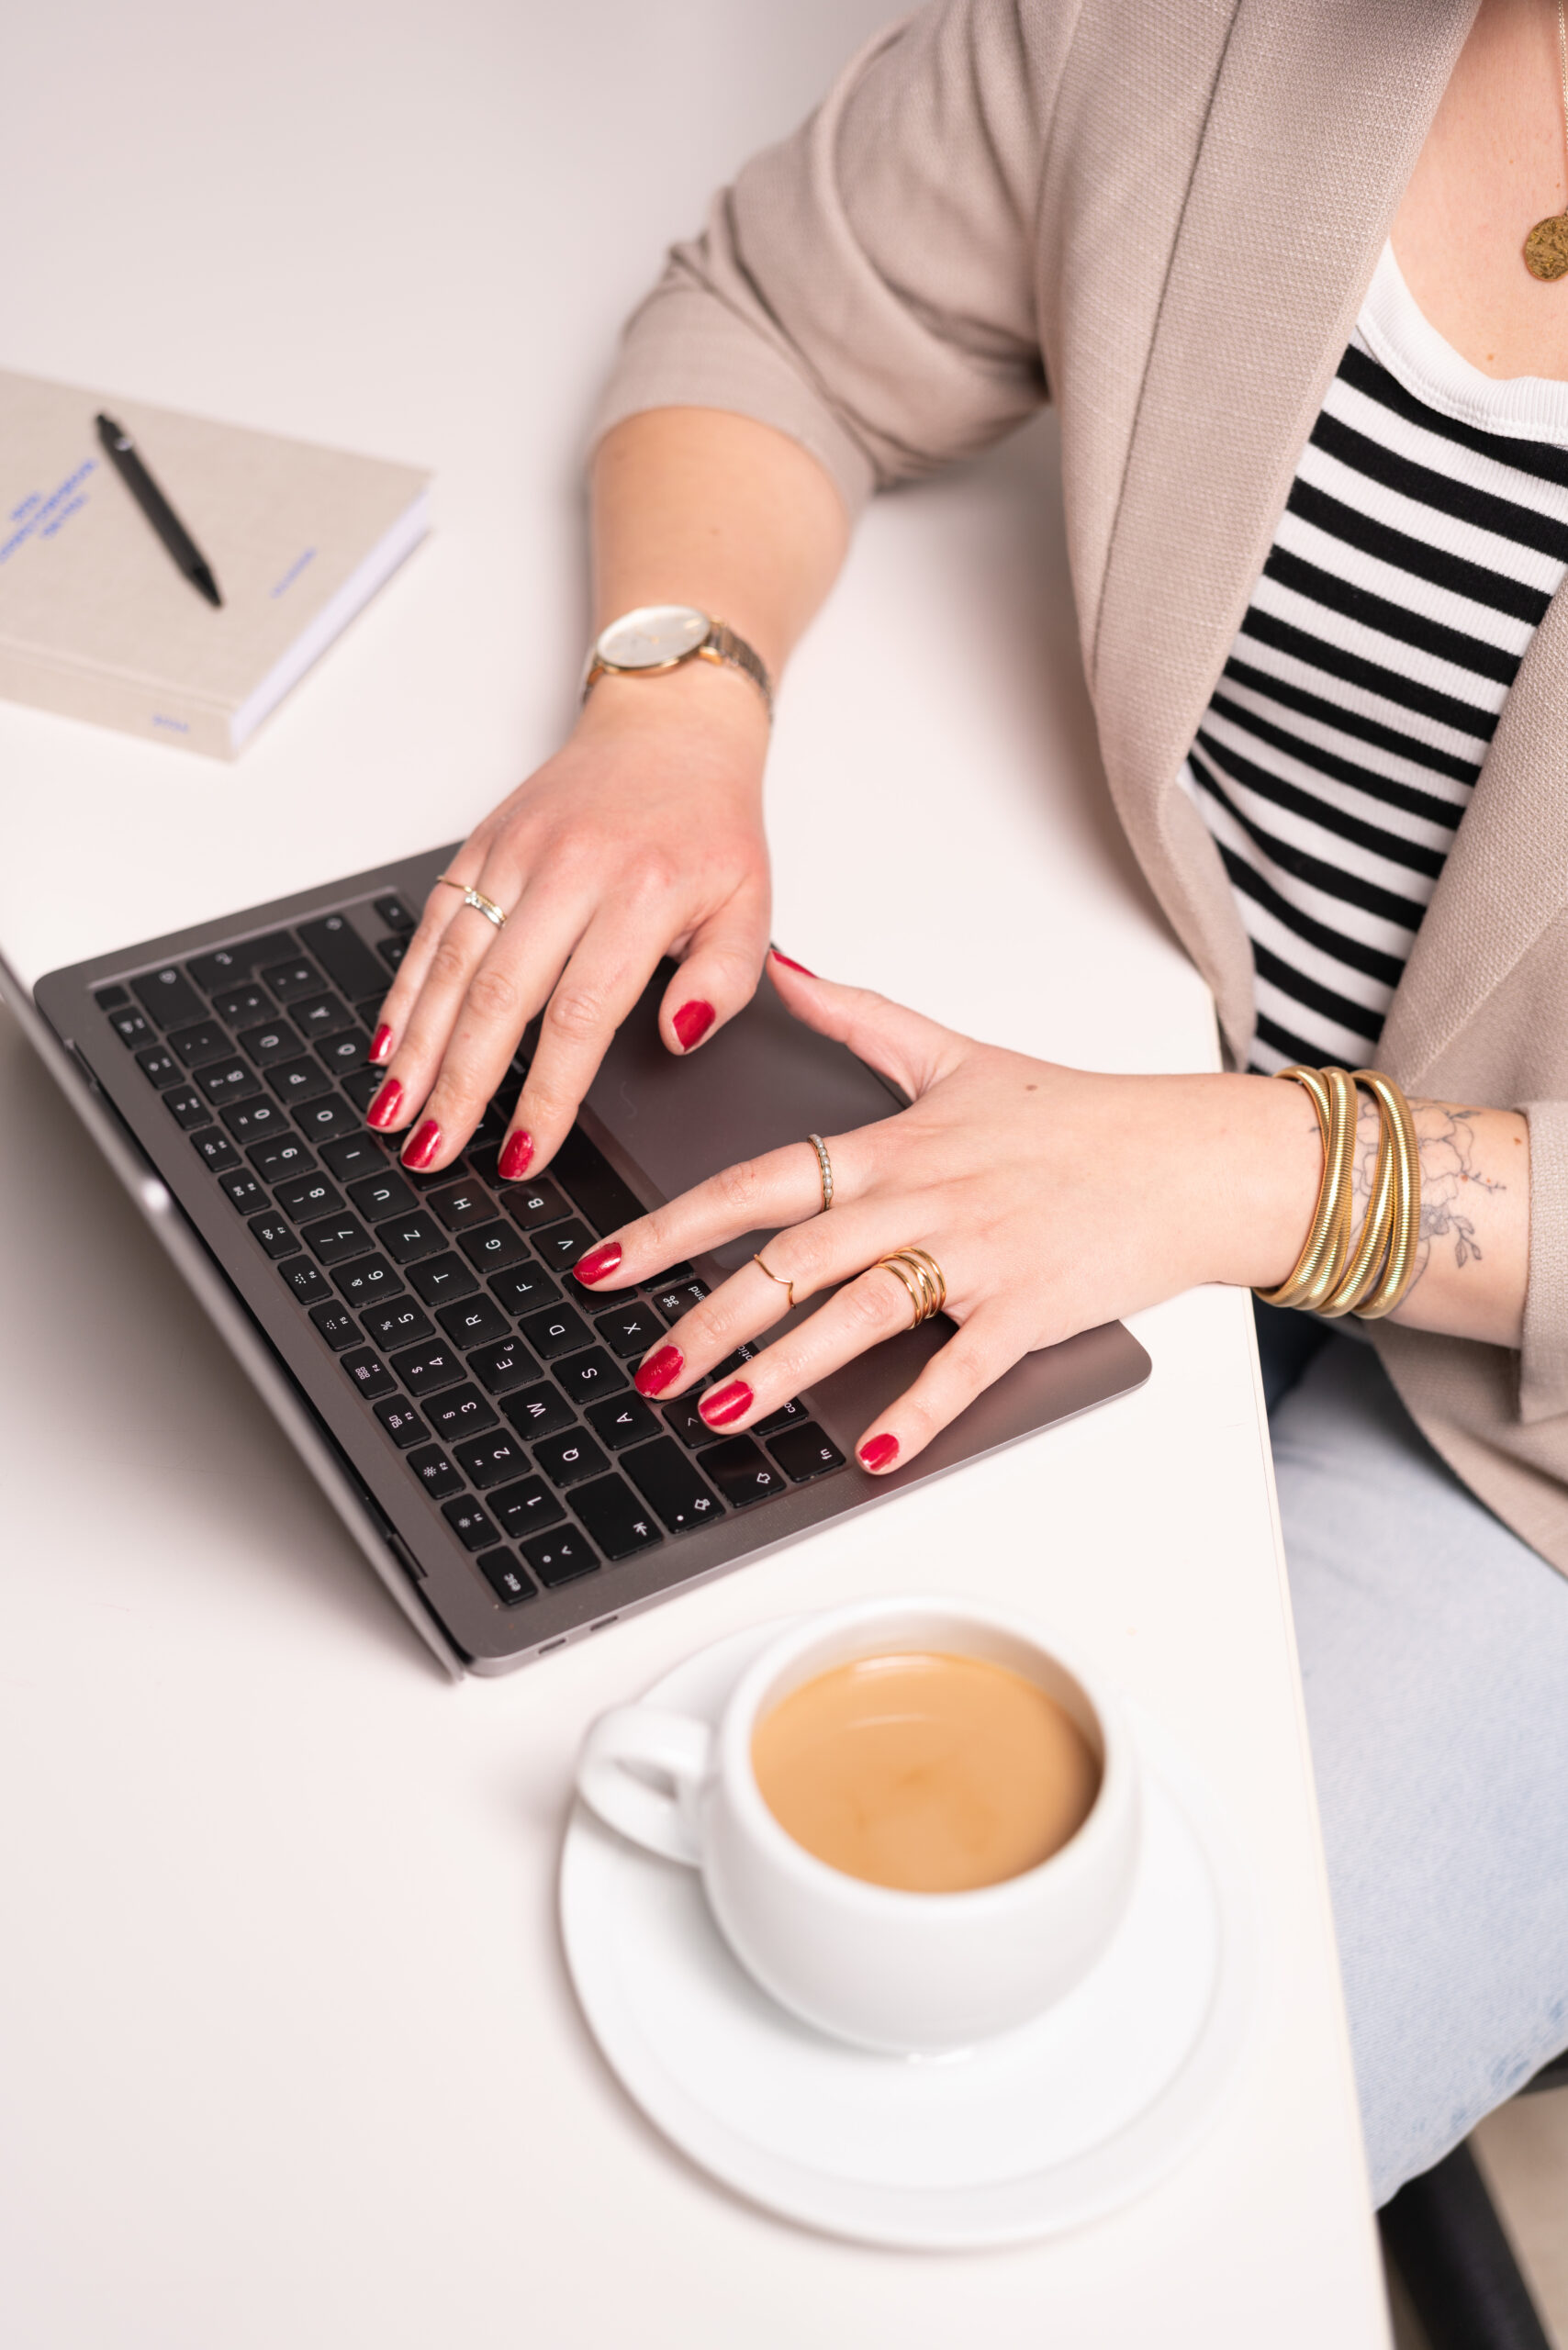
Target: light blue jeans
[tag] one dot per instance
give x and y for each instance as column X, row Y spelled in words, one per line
column 1434, row 1651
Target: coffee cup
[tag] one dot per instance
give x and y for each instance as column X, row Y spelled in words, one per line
column 915, row 1964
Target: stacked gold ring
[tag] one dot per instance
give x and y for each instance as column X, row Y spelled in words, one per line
column 477, row 899
column 1328, row 1277
column 922, row 1277
column 824, row 1169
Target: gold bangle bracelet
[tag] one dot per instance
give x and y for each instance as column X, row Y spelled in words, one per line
column 1316, row 1272
column 1405, row 1235
column 1328, row 1277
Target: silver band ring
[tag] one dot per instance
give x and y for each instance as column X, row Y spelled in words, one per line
column 825, row 1168
column 922, row 1277
column 477, row 899
column 787, row 1287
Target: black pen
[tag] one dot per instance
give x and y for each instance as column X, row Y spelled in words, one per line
column 188, row 558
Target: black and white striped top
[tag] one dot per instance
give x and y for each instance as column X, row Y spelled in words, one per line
column 1425, row 532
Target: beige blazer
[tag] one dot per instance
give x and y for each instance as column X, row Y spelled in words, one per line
column 1163, row 214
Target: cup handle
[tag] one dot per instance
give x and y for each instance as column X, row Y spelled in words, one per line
column 631, row 1740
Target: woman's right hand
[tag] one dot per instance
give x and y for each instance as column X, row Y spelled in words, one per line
column 642, row 837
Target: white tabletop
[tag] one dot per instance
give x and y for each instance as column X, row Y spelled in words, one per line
column 288, row 2051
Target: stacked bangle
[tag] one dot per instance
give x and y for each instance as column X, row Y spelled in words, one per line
column 1329, row 1277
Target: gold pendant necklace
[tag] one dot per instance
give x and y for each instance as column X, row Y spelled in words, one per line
column 1546, row 247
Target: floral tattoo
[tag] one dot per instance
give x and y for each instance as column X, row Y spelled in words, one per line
column 1450, row 1178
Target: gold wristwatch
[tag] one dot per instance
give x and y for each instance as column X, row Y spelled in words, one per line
column 656, row 637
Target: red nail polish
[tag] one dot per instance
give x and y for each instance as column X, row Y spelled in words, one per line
column 878, row 1451
column 386, row 1105
column 380, row 1043
column 516, row 1157
column 422, row 1149
column 598, row 1261
column 726, row 1404
column 692, row 1023
column 790, row 965
column 655, row 1375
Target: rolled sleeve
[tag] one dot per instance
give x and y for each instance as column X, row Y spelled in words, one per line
column 1543, row 1356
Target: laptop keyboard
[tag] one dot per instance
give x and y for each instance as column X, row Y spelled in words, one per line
column 505, row 1389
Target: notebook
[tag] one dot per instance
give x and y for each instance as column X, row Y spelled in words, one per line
column 96, row 622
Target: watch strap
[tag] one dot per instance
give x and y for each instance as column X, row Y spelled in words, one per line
column 722, row 645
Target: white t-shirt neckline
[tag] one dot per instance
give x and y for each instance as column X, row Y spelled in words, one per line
column 1395, row 331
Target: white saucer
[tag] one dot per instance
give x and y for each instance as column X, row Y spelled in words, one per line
column 1051, row 2126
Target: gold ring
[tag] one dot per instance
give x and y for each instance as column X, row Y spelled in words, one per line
column 477, row 899
column 825, row 1168
column 921, row 1276
column 787, row 1287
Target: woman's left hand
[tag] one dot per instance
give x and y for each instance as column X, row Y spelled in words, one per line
column 1052, row 1200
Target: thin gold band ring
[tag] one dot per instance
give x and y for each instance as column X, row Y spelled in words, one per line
column 824, row 1169
column 787, row 1287
column 477, row 899
column 921, row 1276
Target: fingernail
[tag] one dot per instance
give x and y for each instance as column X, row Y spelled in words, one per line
column 655, row 1375
column 380, row 1043
column 790, row 965
column 598, row 1261
column 423, row 1146
column 726, row 1404
column 516, row 1157
column 692, row 1023
column 878, row 1451
column 386, row 1105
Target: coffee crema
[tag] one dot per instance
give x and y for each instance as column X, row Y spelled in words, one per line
column 926, row 1773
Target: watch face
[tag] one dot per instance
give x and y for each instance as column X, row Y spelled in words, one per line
column 652, row 636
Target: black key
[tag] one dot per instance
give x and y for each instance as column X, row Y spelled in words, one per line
column 351, row 965
column 381, row 1194
column 440, row 1280
column 678, row 1298
column 274, row 1040
column 392, row 951
column 500, row 1569
column 159, row 1066
column 462, row 1205
column 459, row 1412
column 562, row 1244
column 275, row 1233
column 477, row 1321
column 594, row 1186
column 630, row 1329
column 670, row 1278
column 226, row 1081
column 250, row 1121
column 109, row 999
column 279, row 1157
column 186, row 1107
column 491, row 1460
column 410, row 1236
column 570, row 1457
column 169, row 996
column 469, row 1523
column 306, row 1280
column 621, row 1420
column 299, row 1081
column 398, row 1321
column 334, row 1238
column 526, row 1507
column 243, row 1005
column 587, row 1377
column 242, row 1191
column 204, row 1042
column 229, row 962
column 435, row 1471
column 731, row 1364
column 560, row 1557
column 532, row 1204
column 368, row 1280
column 368, row 1013
column 504, row 1366
column 133, row 1028
column 556, row 1331
column 618, row 1521
column 805, row 1452
column 493, row 1248
column 523, row 1288
column 688, row 1423
column 336, row 1325
column 363, row 1087
column 321, row 1015
column 344, row 1054
column 539, row 1410
column 305, row 1196
column 355, row 1155
column 293, row 981
column 395, row 914
column 484, row 1157
column 401, row 1422
column 216, row 1148
column 742, row 1473
column 367, row 1370
column 322, row 1122
column 432, row 1364
column 662, row 1475
column 788, row 1416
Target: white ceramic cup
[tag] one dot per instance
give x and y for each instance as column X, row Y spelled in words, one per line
column 906, row 1973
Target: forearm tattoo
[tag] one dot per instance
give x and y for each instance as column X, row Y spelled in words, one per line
column 1451, row 1180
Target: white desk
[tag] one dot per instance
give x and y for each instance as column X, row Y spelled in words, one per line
column 289, row 2052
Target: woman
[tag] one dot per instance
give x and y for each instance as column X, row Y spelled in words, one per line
column 1314, row 415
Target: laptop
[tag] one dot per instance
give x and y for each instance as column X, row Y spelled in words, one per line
column 468, row 1407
